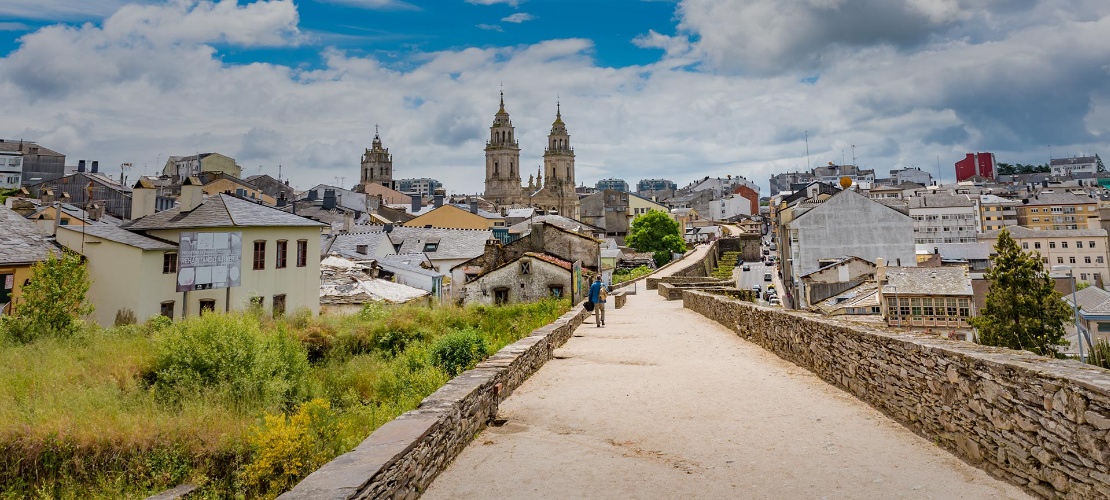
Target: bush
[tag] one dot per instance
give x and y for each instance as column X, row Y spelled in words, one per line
column 158, row 323
column 53, row 301
column 1100, row 354
column 458, row 351
column 231, row 353
column 125, row 317
column 287, row 449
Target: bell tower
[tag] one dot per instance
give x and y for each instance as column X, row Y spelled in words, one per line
column 502, row 160
column 558, row 165
column 377, row 164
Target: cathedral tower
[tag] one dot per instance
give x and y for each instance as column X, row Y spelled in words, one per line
column 558, row 165
column 502, row 160
column 377, row 165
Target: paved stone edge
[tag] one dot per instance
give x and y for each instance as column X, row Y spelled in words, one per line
column 402, row 457
column 1040, row 423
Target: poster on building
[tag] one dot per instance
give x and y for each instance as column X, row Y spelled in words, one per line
column 576, row 289
column 208, row 261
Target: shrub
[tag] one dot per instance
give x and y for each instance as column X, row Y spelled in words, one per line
column 289, row 448
column 1100, row 354
column 53, row 301
column 125, row 317
column 318, row 339
column 231, row 353
column 458, row 351
column 158, row 323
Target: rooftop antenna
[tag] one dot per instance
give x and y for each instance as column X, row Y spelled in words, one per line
column 853, row 154
column 808, row 167
column 279, row 165
column 939, row 180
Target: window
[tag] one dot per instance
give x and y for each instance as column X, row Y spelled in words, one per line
column 1087, row 259
column 965, row 309
column 1063, row 244
column 1052, row 244
column 927, row 306
column 167, row 309
column 1071, row 260
column 500, row 296
column 1025, row 245
column 1079, row 244
column 169, row 263
column 1036, row 244
column 1044, row 259
column 302, row 253
column 257, row 301
column 207, row 306
column 1103, row 327
column 1099, row 259
column 952, row 307
column 259, row 255
column 555, row 291
column 1059, row 260
column 915, row 306
column 1083, row 276
column 282, row 254
column 279, row 305
column 1090, row 244
column 525, row 267
column 431, row 247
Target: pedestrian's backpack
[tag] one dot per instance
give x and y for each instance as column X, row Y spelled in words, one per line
column 602, row 294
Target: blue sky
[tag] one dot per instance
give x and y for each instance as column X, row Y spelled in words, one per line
column 679, row 89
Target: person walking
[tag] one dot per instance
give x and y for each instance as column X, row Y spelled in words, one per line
column 598, row 294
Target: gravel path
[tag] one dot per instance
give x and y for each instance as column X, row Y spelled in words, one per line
column 663, row 403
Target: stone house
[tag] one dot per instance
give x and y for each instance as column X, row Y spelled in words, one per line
column 531, row 277
column 929, row 298
column 834, row 277
column 543, row 238
column 608, row 210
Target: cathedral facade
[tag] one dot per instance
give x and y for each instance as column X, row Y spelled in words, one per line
column 553, row 187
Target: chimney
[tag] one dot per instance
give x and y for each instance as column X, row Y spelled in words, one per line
column 47, row 195
column 388, row 228
column 348, row 221
column 312, row 195
column 329, row 200
column 95, row 212
column 192, row 194
column 57, row 217
column 880, row 270
column 437, row 200
column 95, row 166
column 537, row 237
column 80, row 165
column 373, row 202
column 143, row 197
column 361, row 249
column 415, row 204
column 474, row 206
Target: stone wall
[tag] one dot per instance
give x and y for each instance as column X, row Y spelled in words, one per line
column 1037, row 422
column 402, row 457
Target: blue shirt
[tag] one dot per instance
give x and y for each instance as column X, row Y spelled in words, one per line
column 595, row 291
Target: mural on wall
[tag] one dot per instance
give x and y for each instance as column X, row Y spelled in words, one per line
column 208, row 261
column 576, row 285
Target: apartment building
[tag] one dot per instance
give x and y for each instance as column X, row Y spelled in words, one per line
column 1083, row 250
column 943, row 218
column 1056, row 210
column 996, row 212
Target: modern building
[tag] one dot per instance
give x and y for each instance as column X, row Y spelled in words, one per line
column 1075, row 165
column 832, row 174
column 790, row 181
column 913, row 174
column 728, row 207
column 943, row 218
column 649, row 185
column 1049, row 209
column 614, row 184
column 377, row 165
column 976, row 165
column 22, row 245
column 1083, row 250
column 11, row 169
column 39, row 163
column 996, row 212
column 423, row 186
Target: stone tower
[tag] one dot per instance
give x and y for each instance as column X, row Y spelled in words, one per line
column 377, row 164
column 558, row 165
column 502, row 160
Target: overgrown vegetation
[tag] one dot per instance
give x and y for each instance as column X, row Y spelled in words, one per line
column 53, row 301
column 1100, row 354
column 622, row 275
column 1023, row 310
column 726, row 264
column 242, row 404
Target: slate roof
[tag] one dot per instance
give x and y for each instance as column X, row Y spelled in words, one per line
column 21, row 241
column 940, row 200
column 453, row 243
column 114, row 233
column 1043, row 199
column 346, row 244
column 1024, row 232
column 1092, row 301
column 932, row 281
column 222, row 210
column 864, row 295
column 559, row 221
column 14, row 146
column 408, row 262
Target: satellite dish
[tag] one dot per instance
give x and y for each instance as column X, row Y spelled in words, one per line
column 845, row 182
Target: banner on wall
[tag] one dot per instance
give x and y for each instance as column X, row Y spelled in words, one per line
column 207, row 261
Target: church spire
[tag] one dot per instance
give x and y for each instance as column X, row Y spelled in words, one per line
column 502, row 110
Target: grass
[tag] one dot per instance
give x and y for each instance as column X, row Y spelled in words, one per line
column 90, row 417
column 726, row 264
column 622, row 275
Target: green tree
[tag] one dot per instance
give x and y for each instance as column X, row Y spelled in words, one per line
column 1098, row 164
column 1006, row 169
column 1023, row 309
column 53, row 301
column 658, row 233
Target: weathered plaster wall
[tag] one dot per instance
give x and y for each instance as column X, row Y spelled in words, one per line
column 1037, row 422
column 402, row 457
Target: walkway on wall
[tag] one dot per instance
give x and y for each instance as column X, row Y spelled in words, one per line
column 663, row 403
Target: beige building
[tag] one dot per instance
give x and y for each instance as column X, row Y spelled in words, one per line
column 136, row 266
column 638, row 205
column 1083, row 250
column 1051, row 210
column 453, row 217
column 233, row 185
column 183, row 167
column 996, row 212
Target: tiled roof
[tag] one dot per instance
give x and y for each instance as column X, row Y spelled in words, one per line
column 1024, row 232
column 551, row 259
column 408, row 262
column 453, row 243
column 928, row 281
column 21, row 241
column 559, row 221
column 114, row 233
column 1092, row 300
column 221, row 210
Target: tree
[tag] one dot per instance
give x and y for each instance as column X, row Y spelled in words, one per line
column 1006, row 169
column 1098, row 164
column 658, row 233
column 1023, row 309
column 53, row 300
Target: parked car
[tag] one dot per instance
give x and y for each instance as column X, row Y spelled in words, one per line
column 766, row 276
column 774, row 301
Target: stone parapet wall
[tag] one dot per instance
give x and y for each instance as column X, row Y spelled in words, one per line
column 402, row 457
column 1040, row 423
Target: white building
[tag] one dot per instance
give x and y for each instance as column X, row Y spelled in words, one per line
column 943, row 218
column 915, row 175
column 1074, row 165
column 11, row 169
column 729, row 206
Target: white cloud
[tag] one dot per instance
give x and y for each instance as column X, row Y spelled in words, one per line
column 149, row 82
column 513, row 3
column 58, row 10
column 376, row 4
column 518, row 18
column 6, row 26
column 489, row 27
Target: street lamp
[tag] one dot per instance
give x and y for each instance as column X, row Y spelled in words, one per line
column 1075, row 310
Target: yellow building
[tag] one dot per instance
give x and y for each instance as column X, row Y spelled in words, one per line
column 996, row 212
column 638, row 205
column 21, row 246
column 1049, row 210
column 183, row 167
column 233, row 185
column 453, row 217
column 136, row 266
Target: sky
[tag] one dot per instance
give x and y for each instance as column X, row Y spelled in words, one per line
column 648, row 89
